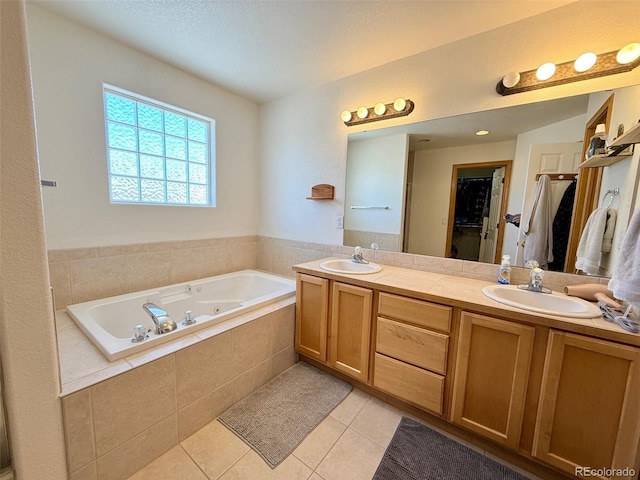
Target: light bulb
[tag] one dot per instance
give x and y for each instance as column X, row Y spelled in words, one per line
column 346, row 116
column 511, row 79
column 545, row 71
column 628, row 53
column 482, row 133
column 584, row 62
column 380, row 108
column 363, row 112
column 400, row 104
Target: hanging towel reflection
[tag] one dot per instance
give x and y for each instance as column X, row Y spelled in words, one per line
column 538, row 225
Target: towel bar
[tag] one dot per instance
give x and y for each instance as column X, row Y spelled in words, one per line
column 614, row 192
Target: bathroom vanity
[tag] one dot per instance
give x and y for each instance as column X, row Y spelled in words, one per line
column 564, row 392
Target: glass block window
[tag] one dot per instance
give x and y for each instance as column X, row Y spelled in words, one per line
column 156, row 153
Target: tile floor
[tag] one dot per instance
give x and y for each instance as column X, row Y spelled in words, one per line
column 347, row 445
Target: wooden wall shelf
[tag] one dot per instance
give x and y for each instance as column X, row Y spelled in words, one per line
column 321, row 191
column 602, row 160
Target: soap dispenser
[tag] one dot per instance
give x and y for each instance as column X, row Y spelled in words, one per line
column 504, row 272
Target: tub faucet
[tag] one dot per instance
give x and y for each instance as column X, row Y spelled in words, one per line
column 163, row 322
column 535, row 281
column 357, row 256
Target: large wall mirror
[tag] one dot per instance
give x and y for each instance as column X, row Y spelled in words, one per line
column 437, row 188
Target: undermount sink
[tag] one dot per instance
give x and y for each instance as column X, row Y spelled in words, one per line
column 548, row 303
column 350, row 267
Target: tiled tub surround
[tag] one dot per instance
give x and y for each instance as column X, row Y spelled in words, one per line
column 109, row 322
column 119, row 416
column 83, row 274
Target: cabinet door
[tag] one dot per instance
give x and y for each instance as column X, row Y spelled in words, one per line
column 589, row 414
column 491, row 375
column 350, row 330
column 312, row 303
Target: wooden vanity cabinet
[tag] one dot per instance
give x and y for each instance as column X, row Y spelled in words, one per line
column 312, row 314
column 411, row 350
column 589, row 412
column 493, row 361
column 350, row 329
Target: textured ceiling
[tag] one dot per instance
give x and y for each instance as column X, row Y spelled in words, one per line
column 268, row 49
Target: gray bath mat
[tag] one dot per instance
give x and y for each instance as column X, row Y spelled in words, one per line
column 418, row 453
column 275, row 419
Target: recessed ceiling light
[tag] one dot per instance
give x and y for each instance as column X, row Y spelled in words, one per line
column 481, row 133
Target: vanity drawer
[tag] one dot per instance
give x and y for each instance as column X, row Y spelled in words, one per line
column 417, row 312
column 413, row 384
column 413, row 345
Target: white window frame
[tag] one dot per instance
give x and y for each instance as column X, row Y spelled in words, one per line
column 165, row 107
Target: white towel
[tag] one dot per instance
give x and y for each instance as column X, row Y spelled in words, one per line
column 609, row 230
column 538, row 225
column 625, row 281
column 589, row 250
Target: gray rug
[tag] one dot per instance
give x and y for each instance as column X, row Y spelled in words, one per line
column 275, row 419
column 418, row 453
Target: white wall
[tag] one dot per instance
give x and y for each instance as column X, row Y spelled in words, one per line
column 570, row 130
column 27, row 339
column 70, row 64
column 432, row 173
column 304, row 142
column 626, row 110
column 376, row 176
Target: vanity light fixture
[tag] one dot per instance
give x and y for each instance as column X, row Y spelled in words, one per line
column 586, row 66
column 381, row 111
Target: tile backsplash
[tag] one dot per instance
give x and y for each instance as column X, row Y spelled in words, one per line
column 83, row 274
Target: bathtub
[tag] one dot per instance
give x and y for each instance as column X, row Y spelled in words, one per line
column 109, row 322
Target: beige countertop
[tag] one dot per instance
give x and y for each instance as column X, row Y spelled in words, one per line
column 466, row 293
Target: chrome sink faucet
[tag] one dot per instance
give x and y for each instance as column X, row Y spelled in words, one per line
column 357, row 256
column 535, row 281
column 163, row 322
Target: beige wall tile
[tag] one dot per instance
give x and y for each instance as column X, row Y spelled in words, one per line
column 98, row 278
column 215, row 449
column 61, row 255
column 78, row 430
column 282, row 328
column 251, row 344
column 90, row 472
column 167, row 246
column 203, row 367
column 126, row 405
column 148, row 270
column 204, row 410
column 133, row 248
column 125, row 460
column 282, row 360
column 251, row 380
column 60, row 280
column 187, row 264
column 173, row 465
column 218, row 259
